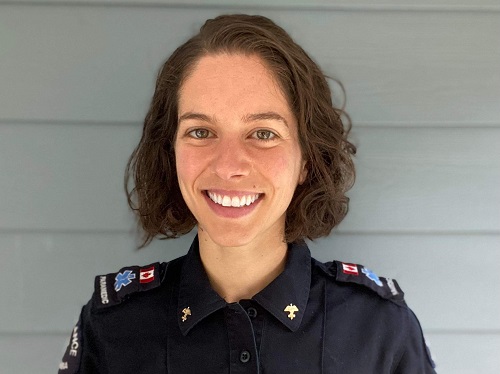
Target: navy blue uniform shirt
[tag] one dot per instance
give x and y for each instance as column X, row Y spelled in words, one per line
column 313, row 318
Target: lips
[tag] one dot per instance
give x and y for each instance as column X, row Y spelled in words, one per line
column 233, row 201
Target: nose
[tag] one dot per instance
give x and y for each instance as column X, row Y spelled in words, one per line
column 231, row 160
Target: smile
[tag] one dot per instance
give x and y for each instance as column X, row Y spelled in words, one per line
column 235, row 201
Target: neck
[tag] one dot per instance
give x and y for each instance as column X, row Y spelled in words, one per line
column 237, row 273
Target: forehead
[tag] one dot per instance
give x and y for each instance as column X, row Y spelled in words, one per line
column 236, row 81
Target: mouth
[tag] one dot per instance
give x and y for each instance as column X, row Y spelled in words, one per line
column 233, row 201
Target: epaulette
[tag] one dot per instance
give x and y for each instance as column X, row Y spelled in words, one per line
column 112, row 289
column 386, row 288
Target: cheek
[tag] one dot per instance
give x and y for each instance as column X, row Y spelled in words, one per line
column 273, row 162
column 281, row 169
column 186, row 164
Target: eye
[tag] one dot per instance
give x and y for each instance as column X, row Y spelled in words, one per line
column 199, row 133
column 264, row 135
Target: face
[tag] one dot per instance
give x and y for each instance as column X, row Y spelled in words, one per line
column 237, row 153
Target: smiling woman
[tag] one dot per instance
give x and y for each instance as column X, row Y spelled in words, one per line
column 249, row 148
column 306, row 112
column 242, row 142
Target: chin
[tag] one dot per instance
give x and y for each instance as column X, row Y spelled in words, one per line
column 231, row 237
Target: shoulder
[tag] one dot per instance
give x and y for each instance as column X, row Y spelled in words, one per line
column 377, row 304
column 114, row 288
column 364, row 279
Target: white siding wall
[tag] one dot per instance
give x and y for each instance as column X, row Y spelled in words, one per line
column 423, row 85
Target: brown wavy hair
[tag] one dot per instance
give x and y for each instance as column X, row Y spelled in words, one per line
column 318, row 204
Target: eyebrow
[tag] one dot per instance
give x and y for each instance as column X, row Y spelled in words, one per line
column 198, row 116
column 265, row 116
column 248, row 118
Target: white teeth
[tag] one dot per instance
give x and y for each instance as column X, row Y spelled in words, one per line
column 236, row 202
column 226, row 201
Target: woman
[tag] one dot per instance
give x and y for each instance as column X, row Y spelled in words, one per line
column 242, row 141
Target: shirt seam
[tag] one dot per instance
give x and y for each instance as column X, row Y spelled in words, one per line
column 325, row 309
column 403, row 350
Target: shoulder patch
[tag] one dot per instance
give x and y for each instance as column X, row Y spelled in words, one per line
column 112, row 289
column 70, row 363
column 354, row 273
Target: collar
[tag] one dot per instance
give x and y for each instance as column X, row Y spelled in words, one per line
column 197, row 299
column 285, row 297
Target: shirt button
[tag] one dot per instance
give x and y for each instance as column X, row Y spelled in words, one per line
column 244, row 356
column 252, row 312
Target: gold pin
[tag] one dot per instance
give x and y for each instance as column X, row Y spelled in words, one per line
column 187, row 312
column 291, row 309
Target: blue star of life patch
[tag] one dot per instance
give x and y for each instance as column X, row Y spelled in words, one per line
column 371, row 275
column 387, row 288
column 123, row 279
column 113, row 288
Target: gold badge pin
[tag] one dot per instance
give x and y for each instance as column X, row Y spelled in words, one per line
column 291, row 309
column 187, row 312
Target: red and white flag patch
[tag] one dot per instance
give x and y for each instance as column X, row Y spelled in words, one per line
column 147, row 275
column 350, row 269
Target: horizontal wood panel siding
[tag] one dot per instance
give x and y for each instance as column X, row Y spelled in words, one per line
column 423, row 89
column 436, row 273
column 70, row 177
column 429, row 180
column 30, row 354
column 465, row 354
column 60, row 175
column 465, row 5
column 84, row 63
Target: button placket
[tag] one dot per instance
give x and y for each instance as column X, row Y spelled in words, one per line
column 242, row 346
column 252, row 312
column 245, row 356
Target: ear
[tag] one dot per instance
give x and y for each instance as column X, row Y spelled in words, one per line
column 303, row 172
